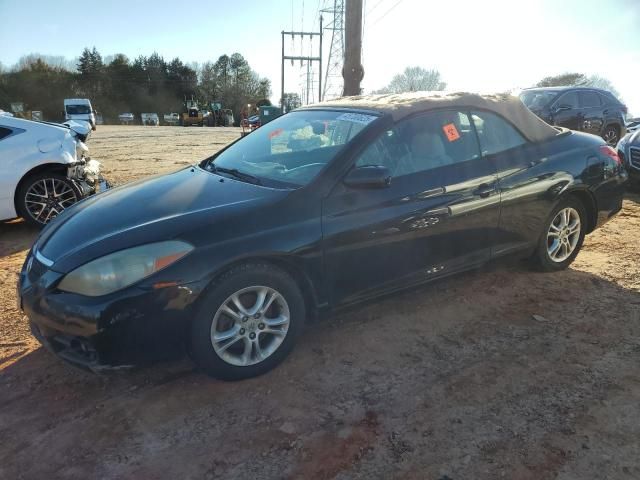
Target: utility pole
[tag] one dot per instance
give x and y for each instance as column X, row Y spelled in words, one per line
column 353, row 72
column 302, row 59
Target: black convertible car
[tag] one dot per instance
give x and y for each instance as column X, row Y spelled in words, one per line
column 325, row 206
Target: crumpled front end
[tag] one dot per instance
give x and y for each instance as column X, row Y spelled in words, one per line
column 85, row 171
column 85, row 174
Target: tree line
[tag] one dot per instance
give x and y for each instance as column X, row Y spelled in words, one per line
column 118, row 84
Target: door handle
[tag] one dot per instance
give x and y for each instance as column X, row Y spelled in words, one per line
column 484, row 190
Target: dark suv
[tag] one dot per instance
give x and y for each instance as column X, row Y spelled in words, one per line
column 590, row 110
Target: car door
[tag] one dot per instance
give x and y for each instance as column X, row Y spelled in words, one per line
column 592, row 112
column 439, row 214
column 526, row 181
column 566, row 111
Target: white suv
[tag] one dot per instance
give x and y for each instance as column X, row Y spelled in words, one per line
column 44, row 168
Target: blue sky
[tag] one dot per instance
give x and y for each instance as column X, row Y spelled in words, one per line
column 484, row 45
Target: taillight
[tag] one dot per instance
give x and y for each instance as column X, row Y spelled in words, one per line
column 611, row 153
column 624, row 109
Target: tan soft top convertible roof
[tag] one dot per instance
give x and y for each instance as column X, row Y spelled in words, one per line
column 404, row 104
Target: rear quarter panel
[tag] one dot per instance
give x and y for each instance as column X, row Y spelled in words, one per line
column 533, row 179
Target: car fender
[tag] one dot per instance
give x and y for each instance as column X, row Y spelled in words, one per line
column 57, row 167
column 290, row 264
column 24, row 167
column 36, row 146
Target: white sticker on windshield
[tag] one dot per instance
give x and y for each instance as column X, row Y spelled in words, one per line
column 357, row 118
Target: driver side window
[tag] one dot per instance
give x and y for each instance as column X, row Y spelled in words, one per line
column 380, row 153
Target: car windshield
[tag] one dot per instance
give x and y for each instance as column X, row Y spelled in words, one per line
column 290, row 150
column 537, row 98
column 78, row 109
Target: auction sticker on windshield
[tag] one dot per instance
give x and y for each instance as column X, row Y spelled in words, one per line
column 362, row 118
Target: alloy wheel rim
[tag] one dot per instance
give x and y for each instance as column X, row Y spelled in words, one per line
column 47, row 198
column 250, row 326
column 563, row 234
column 611, row 137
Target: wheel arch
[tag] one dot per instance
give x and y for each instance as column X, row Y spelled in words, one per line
column 588, row 200
column 59, row 168
column 287, row 265
column 615, row 124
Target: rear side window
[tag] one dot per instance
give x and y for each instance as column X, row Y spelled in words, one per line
column 495, row 133
column 569, row 99
column 608, row 99
column 4, row 132
column 429, row 141
column 589, row 99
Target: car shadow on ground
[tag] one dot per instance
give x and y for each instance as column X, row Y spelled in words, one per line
column 501, row 371
column 633, row 195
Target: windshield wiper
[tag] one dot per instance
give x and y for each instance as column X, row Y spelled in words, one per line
column 238, row 174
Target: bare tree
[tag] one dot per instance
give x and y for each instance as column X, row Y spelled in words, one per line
column 578, row 79
column 600, row 82
column 415, row 79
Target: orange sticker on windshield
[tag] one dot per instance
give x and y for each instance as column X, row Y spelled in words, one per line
column 275, row 133
column 451, row 132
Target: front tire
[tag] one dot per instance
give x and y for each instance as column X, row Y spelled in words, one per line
column 562, row 237
column 247, row 323
column 42, row 197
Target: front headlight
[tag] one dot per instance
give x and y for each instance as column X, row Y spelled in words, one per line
column 120, row 269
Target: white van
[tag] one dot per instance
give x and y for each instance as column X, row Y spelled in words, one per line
column 79, row 109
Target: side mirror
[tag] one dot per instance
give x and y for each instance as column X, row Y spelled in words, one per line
column 95, row 112
column 368, row 176
column 562, row 108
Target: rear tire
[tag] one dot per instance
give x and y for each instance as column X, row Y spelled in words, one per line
column 231, row 341
column 42, row 197
column 562, row 237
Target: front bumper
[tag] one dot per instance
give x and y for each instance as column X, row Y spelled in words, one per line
column 129, row 327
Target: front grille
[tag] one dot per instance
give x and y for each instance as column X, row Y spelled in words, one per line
column 634, row 156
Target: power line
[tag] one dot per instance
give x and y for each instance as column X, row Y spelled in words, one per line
column 374, row 7
column 388, row 11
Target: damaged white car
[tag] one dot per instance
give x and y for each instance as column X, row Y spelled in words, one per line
column 44, row 169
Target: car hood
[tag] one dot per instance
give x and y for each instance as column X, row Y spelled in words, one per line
column 151, row 210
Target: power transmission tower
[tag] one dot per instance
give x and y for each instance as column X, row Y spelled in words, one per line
column 333, row 73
